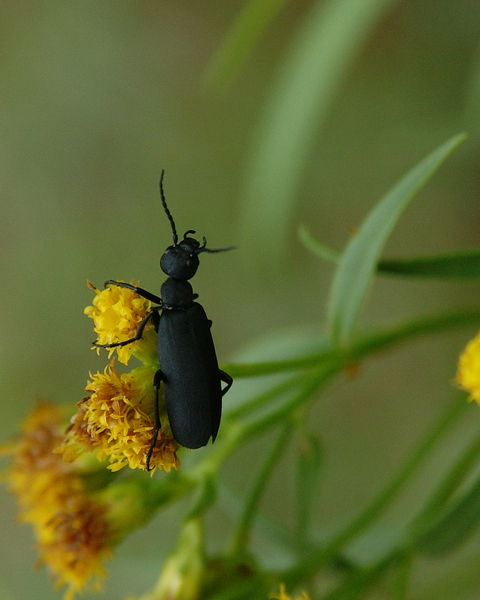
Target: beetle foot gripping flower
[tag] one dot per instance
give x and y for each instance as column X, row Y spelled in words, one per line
column 71, row 526
column 115, row 421
column 117, row 312
column 468, row 370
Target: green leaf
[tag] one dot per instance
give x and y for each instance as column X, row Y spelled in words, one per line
column 441, row 501
column 455, row 527
column 316, row 247
column 324, row 49
column 241, row 39
column 359, row 260
column 461, row 264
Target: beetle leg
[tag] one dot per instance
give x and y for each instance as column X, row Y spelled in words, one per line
column 156, row 317
column 225, row 377
column 156, row 387
column 139, row 333
column 140, row 291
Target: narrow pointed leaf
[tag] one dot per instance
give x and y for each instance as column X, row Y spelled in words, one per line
column 310, row 243
column 317, row 59
column 460, row 264
column 463, row 264
column 456, row 527
column 359, row 259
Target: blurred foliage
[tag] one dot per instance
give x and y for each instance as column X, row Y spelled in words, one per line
column 264, row 115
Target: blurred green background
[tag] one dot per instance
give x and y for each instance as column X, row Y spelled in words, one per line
column 98, row 97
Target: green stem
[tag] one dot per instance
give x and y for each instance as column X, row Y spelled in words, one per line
column 447, row 488
column 311, row 384
column 318, row 558
column 361, row 580
column 356, row 349
column 399, row 585
column 236, row 432
column 242, row 532
column 272, row 393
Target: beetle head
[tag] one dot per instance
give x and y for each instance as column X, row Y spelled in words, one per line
column 180, row 261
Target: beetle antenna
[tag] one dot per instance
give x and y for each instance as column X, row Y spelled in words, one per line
column 165, row 207
column 213, row 250
column 203, row 248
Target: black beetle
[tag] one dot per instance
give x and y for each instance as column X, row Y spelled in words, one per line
column 188, row 362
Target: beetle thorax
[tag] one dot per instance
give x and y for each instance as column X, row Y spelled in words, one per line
column 176, row 294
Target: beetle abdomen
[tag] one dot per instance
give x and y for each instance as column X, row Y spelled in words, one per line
column 191, row 382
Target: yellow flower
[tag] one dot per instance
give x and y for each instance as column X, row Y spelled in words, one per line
column 117, row 312
column 72, row 529
column 468, row 369
column 284, row 596
column 116, row 421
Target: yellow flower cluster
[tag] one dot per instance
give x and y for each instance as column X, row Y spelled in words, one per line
column 117, row 312
column 117, row 419
column 468, row 370
column 73, row 533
